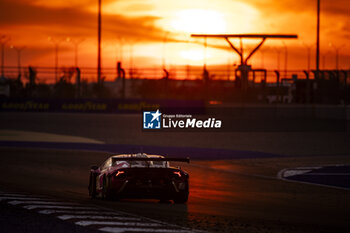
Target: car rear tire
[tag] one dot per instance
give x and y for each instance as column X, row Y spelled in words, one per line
column 181, row 198
column 92, row 186
column 105, row 188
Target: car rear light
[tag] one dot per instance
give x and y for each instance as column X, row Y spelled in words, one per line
column 119, row 173
column 178, row 173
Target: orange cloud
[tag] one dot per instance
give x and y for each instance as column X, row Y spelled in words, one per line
column 30, row 22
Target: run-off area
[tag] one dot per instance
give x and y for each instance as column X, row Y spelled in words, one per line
column 335, row 176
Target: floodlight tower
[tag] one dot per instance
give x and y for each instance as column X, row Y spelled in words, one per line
column 244, row 68
column 99, row 43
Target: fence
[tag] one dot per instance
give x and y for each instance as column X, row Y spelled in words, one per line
column 50, row 75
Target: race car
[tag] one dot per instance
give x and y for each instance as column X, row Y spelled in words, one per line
column 139, row 176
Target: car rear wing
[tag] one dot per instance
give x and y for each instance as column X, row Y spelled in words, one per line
column 187, row 159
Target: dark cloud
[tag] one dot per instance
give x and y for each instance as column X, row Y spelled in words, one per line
column 335, row 7
column 75, row 21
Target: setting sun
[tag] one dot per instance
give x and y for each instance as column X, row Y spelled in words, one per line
column 193, row 54
column 199, row 21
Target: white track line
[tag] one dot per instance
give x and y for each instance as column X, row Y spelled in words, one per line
column 31, row 207
column 13, row 195
column 280, row 175
column 98, row 217
column 121, row 230
column 296, row 172
column 109, row 223
column 133, row 223
column 40, row 202
column 21, row 198
column 53, row 211
column 326, row 174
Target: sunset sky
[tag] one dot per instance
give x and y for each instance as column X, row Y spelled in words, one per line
column 157, row 31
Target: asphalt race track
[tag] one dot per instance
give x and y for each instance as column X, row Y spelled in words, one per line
column 125, row 129
column 226, row 194
column 83, row 218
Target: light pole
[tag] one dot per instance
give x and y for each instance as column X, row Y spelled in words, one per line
column 56, row 43
column 3, row 41
column 262, row 52
column 308, row 48
column 278, row 52
column 131, row 56
column 324, row 55
column 205, row 54
column 285, row 59
column 121, row 48
column 164, row 50
column 99, row 44
column 76, row 44
column 19, row 51
column 318, row 40
column 187, row 61
column 336, row 49
column 228, row 67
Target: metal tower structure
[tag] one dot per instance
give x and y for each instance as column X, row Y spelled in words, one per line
column 244, row 68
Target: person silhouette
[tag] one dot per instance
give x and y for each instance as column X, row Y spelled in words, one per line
column 120, row 71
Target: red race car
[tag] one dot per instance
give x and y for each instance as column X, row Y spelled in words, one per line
column 139, row 176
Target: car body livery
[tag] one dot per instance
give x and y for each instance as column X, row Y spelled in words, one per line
column 139, row 176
